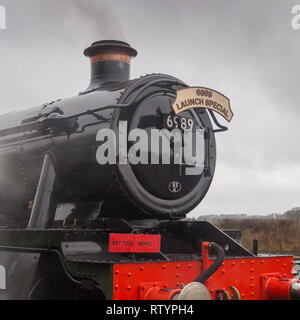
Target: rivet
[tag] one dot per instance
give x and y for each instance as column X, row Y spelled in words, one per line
column 154, row 285
column 243, row 262
column 252, row 285
column 141, row 268
column 223, row 270
column 232, row 263
column 177, row 266
column 252, row 278
column 252, row 293
column 276, row 260
column 163, row 266
column 252, row 262
column 117, row 272
column 116, row 286
column 177, row 275
column 129, row 288
column 243, row 295
column 284, row 264
column 252, row 270
column 262, row 261
column 189, row 266
column 129, row 274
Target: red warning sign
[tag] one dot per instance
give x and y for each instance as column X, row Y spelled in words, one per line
column 140, row 243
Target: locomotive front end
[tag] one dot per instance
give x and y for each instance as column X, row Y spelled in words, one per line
column 95, row 190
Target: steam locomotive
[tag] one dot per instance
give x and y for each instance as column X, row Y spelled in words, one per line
column 73, row 227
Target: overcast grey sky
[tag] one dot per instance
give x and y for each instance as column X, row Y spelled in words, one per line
column 245, row 49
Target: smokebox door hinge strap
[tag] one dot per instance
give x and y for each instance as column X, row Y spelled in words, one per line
column 207, row 164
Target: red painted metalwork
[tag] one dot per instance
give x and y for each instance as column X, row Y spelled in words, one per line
column 139, row 243
column 278, row 289
column 246, row 274
column 205, row 256
column 157, row 293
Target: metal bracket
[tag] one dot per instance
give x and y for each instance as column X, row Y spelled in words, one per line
column 217, row 123
column 40, row 214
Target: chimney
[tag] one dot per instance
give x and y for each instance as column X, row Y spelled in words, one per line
column 110, row 62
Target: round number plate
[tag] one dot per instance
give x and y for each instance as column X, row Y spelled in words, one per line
column 175, row 186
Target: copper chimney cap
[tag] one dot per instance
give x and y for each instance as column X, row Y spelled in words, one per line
column 107, row 45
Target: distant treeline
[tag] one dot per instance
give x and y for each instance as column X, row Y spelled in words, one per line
column 275, row 232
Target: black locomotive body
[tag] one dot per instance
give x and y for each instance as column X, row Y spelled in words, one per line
column 67, row 130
